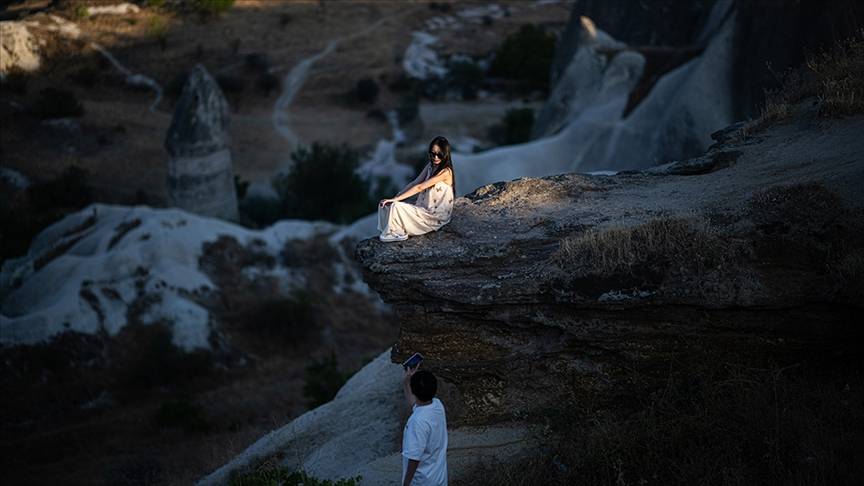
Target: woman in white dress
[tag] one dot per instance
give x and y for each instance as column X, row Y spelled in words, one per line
column 436, row 185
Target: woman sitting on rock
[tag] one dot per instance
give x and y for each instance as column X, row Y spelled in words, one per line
column 436, row 185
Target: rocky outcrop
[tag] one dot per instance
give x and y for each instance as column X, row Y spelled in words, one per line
column 575, row 286
column 643, row 23
column 770, row 37
column 358, row 433
column 200, row 172
column 19, row 49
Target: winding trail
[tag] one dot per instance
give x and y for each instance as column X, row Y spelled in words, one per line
column 133, row 79
column 293, row 81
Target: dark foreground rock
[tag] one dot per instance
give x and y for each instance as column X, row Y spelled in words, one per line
column 575, row 286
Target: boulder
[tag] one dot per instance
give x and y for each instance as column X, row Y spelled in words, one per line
column 19, row 50
column 562, row 287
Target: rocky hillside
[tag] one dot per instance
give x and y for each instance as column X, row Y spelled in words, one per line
column 755, row 247
column 573, row 302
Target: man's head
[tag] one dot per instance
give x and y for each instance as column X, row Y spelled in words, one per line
column 424, row 385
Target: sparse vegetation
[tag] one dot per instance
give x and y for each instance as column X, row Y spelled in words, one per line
column 322, row 184
column 717, row 421
column 835, row 77
column 270, row 474
column 57, row 103
column 182, row 414
column 526, row 56
column 515, row 128
column 660, row 245
column 211, row 8
column 408, row 109
column 466, row 76
column 366, row 91
column 322, row 381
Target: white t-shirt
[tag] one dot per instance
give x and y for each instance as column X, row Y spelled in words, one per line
column 425, row 439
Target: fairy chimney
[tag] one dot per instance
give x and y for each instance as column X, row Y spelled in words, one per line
column 200, row 172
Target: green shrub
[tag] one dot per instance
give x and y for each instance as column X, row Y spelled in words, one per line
column 526, row 56
column 15, row 82
column 241, row 186
column 465, row 76
column 157, row 362
column 260, row 211
column 408, row 109
column 322, row 381
column 69, row 190
column 269, row 475
column 366, row 91
column 182, row 414
column 57, row 103
column 211, row 8
column 516, row 127
column 322, row 184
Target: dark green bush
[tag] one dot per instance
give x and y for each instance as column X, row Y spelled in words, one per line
column 182, row 414
column 15, row 82
column 366, row 91
column 322, row 381
column 241, row 186
column 465, row 76
column 69, row 190
column 526, row 56
column 515, row 128
column 322, row 184
column 211, row 7
column 267, row 83
column 260, row 211
column 57, row 103
column 157, row 362
column 280, row 476
column 408, row 109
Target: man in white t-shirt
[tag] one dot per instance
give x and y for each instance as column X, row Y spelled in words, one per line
column 424, row 440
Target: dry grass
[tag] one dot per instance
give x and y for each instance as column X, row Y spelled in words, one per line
column 718, row 420
column 834, row 77
column 670, row 244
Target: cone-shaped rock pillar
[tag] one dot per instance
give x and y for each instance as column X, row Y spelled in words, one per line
column 200, row 171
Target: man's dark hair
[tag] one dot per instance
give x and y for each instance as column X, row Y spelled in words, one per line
column 424, row 385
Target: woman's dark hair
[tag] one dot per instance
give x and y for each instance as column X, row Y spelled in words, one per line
column 424, row 385
column 446, row 161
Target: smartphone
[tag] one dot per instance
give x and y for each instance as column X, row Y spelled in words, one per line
column 413, row 361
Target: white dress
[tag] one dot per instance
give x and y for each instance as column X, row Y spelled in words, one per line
column 432, row 211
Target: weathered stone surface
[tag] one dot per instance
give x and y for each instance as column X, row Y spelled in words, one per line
column 201, row 173
column 201, row 119
column 19, row 50
column 566, row 284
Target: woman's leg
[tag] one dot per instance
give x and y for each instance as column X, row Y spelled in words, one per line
column 387, row 220
column 408, row 219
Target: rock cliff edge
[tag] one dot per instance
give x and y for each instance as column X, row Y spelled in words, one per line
column 579, row 286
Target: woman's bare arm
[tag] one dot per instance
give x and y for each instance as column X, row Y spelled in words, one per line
column 417, row 179
column 442, row 176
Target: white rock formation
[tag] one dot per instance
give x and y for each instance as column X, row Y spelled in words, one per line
column 116, row 9
column 676, row 118
column 359, row 433
column 200, row 171
column 84, row 272
column 19, row 50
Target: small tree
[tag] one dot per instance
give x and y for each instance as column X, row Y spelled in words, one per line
column 526, row 56
column 366, row 91
column 323, row 184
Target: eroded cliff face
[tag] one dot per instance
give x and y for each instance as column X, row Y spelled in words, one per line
column 575, row 286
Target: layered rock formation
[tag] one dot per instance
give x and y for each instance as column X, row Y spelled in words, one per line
column 574, row 286
column 200, row 172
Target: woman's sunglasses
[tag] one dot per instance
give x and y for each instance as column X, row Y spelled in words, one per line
column 440, row 155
